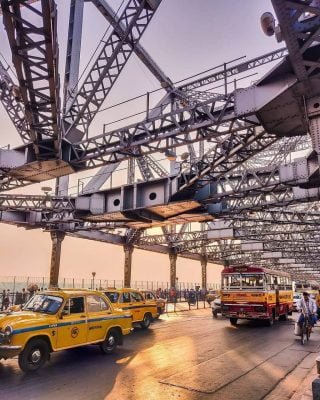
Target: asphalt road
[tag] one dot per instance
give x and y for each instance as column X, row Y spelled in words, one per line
column 184, row 356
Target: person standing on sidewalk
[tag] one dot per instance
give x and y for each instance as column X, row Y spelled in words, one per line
column 318, row 304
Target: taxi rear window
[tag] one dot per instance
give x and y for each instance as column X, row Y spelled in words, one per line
column 113, row 296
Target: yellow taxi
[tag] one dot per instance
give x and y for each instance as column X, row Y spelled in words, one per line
column 61, row 319
column 143, row 312
column 151, row 296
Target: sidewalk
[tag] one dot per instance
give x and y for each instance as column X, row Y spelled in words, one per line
column 305, row 391
column 297, row 384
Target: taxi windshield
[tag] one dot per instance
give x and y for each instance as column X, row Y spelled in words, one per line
column 43, row 303
column 113, row 296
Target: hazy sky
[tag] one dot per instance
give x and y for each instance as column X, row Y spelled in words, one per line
column 185, row 37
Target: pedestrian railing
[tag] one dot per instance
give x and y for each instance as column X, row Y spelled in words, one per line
column 18, row 283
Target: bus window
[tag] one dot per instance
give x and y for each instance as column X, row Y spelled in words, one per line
column 270, row 285
column 231, row 281
column 252, row 281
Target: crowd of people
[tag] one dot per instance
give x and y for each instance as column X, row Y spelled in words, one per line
column 16, row 298
column 13, row 298
column 174, row 294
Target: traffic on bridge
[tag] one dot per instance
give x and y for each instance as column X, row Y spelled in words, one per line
column 210, row 162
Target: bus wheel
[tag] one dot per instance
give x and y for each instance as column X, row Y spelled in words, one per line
column 233, row 321
column 283, row 317
column 270, row 321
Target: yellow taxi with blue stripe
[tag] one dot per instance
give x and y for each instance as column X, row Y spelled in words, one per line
column 143, row 312
column 61, row 319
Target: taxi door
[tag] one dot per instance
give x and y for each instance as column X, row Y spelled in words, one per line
column 127, row 304
column 138, row 305
column 72, row 327
column 98, row 322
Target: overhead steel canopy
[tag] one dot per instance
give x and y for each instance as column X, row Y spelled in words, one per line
column 234, row 191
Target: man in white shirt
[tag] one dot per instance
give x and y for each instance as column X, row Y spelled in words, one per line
column 308, row 308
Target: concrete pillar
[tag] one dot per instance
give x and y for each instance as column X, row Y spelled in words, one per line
column 173, row 269
column 56, row 238
column 204, row 263
column 128, row 250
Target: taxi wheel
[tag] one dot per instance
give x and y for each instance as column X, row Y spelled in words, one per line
column 109, row 345
column 233, row 321
column 146, row 321
column 283, row 317
column 34, row 355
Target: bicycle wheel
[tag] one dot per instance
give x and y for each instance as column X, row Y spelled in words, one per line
column 304, row 335
column 308, row 333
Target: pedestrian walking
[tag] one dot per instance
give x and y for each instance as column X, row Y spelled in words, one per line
column 24, row 296
column 318, row 303
column 18, row 299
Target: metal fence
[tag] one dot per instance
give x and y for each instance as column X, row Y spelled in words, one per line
column 179, row 301
column 17, row 283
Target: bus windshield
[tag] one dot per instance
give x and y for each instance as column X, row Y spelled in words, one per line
column 243, row 281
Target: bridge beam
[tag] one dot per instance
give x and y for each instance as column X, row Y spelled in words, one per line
column 204, row 262
column 128, row 250
column 56, row 238
column 173, row 269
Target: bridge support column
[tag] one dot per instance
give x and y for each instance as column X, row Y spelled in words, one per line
column 56, row 239
column 204, row 263
column 173, row 269
column 128, row 250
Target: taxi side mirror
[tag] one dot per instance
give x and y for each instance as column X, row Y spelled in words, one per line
column 63, row 313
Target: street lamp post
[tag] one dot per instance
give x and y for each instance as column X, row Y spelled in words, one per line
column 93, row 275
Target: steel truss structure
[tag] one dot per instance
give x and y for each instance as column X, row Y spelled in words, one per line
column 237, row 195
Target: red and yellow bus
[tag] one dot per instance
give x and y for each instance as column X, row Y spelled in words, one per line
column 253, row 292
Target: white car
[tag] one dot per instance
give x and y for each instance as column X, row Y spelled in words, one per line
column 296, row 301
column 216, row 307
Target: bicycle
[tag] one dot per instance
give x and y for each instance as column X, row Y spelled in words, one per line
column 306, row 330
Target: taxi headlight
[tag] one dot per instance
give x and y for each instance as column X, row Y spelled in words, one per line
column 8, row 331
column 5, row 334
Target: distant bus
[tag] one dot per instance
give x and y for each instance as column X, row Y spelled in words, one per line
column 253, row 292
column 311, row 287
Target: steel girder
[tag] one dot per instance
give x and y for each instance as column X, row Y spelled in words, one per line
column 169, row 129
column 228, row 154
column 71, row 75
column 107, row 67
column 10, row 99
column 299, row 22
column 229, row 72
column 147, row 164
column 279, row 153
column 140, row 52
column 236, row 139
column 35, row 57
column 36, row 203
column 184, row 139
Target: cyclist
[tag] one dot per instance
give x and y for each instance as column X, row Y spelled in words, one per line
column 308, row 308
